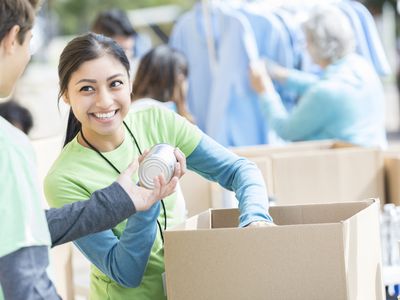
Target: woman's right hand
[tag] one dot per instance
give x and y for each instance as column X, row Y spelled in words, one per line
column 141, row 197
column 259, row 79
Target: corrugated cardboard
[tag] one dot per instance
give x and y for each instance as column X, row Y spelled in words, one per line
column 197, row 193
column 319, row 172
column 301, row 172
column 392, row 175
column 322, row 251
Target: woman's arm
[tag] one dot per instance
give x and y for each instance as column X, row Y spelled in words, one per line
column 313, row 112
column 124, row 260
column 216, row 163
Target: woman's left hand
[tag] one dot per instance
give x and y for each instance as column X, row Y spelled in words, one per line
column 181, row 164
column 261, row 224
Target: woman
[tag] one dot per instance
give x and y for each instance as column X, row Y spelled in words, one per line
column 162, row 78
column 128, row 260
column 345, row 103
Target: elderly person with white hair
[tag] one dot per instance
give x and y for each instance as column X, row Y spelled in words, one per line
column 345, row 103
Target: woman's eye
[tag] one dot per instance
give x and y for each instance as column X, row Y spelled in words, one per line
column 86, row 88
column 116, row 83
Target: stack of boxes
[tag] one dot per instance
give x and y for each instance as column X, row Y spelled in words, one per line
column 326, row 244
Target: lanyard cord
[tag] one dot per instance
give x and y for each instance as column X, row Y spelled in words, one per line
column 119, row 172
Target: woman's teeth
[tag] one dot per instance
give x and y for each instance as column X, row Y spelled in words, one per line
column 105, row 115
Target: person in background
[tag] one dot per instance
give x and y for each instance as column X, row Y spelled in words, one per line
column 345, row 103
column 105, row 136
column 161, row 78
column 17, row 115
column 115, row 24
column 26, row 231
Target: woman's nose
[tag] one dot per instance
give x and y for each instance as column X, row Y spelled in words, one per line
column 104, row 99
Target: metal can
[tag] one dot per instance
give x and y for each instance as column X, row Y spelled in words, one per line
column 160, row 160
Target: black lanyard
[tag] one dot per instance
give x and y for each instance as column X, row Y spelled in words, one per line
column 119, row 172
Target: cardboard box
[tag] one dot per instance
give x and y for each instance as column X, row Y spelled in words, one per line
column 301, row 172
column 392, row 175
column 321, row 251
column 197, row 193
column 319, row 171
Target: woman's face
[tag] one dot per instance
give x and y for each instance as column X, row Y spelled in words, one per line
column 313, row 51
column 311, row 48
column 99, row 95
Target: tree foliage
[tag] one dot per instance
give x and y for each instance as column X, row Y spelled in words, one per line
column 75, row 16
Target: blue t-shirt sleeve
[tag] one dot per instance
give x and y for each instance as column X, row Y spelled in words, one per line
column 234, row 173
column 124, row 260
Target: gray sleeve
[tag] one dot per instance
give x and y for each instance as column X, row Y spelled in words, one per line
column 23, row 275
column 104, row 210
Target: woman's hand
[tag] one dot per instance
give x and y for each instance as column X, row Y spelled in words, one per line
column 143, row 198
column 261, row 224
column 259, row 79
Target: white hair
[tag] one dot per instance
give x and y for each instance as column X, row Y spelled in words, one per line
column 330, row 32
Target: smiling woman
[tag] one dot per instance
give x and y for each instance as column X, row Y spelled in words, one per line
column 99, row 100
column 104, row 136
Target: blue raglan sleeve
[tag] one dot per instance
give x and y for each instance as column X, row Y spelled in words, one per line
column 314, row 110
column 300, row 81
column 124, row 260
column 216, row 163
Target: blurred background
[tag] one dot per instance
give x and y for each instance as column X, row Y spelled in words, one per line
column 154, row 21
column 58, row 21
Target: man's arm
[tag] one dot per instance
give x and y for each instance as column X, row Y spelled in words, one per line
column 109, row 206
column 104, row 210
column 23, row 275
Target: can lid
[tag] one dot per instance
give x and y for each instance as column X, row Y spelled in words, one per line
column 150, row 168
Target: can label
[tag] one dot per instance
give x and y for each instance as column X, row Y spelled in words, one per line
column 160, row 160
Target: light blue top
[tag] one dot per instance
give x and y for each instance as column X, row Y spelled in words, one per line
column 367, row 39
column 377, row 54
column 189, row 37
column 273, row 42
column 220, row 97
column 346, row 103
column 124, row 260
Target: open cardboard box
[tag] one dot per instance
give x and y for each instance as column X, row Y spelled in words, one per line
column 320, row 251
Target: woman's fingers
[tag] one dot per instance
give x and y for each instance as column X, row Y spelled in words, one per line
column 181, row 158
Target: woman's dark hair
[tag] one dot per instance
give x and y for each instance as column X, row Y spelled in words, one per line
column 78, row 51
column 17, row 115
column 113, row 22
column 157, row 76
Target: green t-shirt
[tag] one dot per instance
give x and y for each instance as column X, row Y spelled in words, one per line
column 22, row 222
column 79, row 171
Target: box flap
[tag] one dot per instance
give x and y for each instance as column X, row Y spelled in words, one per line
column 263, row 150
column 317, row 213
column 295, row 214
column 200, row 221
column 361, row 232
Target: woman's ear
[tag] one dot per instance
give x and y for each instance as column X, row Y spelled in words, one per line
column 65, row 97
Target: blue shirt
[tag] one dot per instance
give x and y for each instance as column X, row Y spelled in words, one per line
column 346, row 103
column 220, row 96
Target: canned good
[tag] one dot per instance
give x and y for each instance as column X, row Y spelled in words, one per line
column 160, row 160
